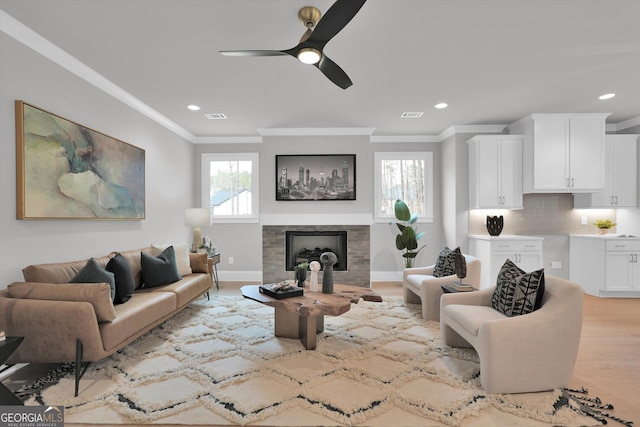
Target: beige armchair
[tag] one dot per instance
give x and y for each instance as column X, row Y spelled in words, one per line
column 419, row 286
column 528, row 353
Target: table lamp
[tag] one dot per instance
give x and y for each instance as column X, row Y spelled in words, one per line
column 196, row 218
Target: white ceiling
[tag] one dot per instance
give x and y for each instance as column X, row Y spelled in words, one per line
column 492, row 61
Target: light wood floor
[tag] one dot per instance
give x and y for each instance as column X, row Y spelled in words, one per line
column 608, row 362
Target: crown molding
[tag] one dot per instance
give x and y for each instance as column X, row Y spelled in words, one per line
column 627, row 124
column 23, row 34
column 315, row 131
column 228, row 140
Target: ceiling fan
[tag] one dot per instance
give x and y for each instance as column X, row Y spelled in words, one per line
column 309, row 50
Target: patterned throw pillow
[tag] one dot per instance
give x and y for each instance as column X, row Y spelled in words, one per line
column 446, row 264
column 517, row 292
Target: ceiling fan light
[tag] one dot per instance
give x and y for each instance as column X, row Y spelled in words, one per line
column 309, row 55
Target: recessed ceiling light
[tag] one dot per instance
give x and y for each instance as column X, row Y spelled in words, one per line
column 412, row 115
column 441, row 105
column 193, row 107
column 607, row 96
column 215, row 116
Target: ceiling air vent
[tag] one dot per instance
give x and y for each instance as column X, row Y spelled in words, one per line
column 412, row 115
column 215, row 116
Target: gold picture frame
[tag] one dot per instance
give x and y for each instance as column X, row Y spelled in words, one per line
column 65, row 170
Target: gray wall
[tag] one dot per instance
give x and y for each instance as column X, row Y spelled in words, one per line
column 243, row 241
column 27, row 76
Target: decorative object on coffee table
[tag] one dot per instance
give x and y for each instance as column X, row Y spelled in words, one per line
column 301, row 273
column 314, row 266
column 495, row 225
column 329, row 259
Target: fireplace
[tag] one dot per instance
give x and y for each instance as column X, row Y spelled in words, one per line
column 352, row 240
column 307, row 246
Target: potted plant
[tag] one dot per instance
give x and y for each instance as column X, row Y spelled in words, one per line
column 407, row 239
column 301, row 273
column 604, row 225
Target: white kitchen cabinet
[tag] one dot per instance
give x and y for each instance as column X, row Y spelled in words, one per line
column 606, row 266
column 562, row 152
column 495, row 172
column 493, row 251
column 621, row 176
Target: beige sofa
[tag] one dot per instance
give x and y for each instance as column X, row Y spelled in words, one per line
column 526, row 353
column 75, row 322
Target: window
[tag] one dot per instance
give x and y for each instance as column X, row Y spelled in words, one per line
column 407, row 176
column 230, row 186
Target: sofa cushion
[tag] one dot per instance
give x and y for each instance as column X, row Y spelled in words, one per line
column 470, row 317
column 93, row 272
column 446, row 263
column 182, row 251
column 199, row 263
column 144, row 309
column 59, row 272
column 96, row 294
column 160, row 270
column 417, row 279
column 186, row 289
column 517, row 292
column 125, row 284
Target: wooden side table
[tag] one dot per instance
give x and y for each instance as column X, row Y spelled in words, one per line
column 7, row 347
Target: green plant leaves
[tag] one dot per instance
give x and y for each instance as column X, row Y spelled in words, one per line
column 401, row 211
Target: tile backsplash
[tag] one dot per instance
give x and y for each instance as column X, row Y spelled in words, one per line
column 543, row 214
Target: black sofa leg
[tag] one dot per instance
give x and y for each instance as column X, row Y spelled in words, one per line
column 80, row 370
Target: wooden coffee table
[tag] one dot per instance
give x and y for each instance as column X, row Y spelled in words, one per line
column 303, row 317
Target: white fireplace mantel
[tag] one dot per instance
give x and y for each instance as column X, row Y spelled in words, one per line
column 316, row 219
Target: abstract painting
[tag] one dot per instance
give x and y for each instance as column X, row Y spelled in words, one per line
column 67, row 171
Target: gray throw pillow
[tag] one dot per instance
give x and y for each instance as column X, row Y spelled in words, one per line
column 125, row 285
column 446, row 263
column 517, row 292
column 160, row 270
column 93, row 272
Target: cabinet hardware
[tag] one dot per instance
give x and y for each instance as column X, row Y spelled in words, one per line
column 616, row 200
column 567, row 182
column 612, row 200
column 572, row 182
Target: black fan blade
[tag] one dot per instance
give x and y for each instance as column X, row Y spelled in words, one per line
column 253, row 53
column 336, row 18
column 334, row 72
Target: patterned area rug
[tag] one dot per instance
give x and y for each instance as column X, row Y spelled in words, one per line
column 218, row 363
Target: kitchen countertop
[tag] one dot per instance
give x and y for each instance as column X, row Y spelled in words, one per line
column 504, row 237
column 606, row 236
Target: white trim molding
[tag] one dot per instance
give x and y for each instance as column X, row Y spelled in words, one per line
column 315, row 131
column 316, row 219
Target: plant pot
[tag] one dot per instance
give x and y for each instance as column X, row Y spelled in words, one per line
column 602, row 231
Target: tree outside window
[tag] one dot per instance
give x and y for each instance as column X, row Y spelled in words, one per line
column 406, row 176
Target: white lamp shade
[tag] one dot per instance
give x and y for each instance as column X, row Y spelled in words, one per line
column 197, row 217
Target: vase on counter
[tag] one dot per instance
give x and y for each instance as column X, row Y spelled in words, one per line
column 495, row 225
column 603, row 231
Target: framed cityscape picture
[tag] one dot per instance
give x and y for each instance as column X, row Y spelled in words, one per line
column 315, row 177
column 67, row 171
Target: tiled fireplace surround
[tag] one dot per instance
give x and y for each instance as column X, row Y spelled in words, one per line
column 358, row 253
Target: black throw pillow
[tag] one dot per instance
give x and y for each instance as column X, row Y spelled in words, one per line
column 92, row 272
column 517, row 292
column 446, row 264
column 125, row 284
column 160, row 270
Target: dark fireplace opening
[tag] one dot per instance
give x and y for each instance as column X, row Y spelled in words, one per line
column 307, row 246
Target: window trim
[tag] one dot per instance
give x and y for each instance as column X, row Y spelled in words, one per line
column 427, row 157
column 205, row 175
